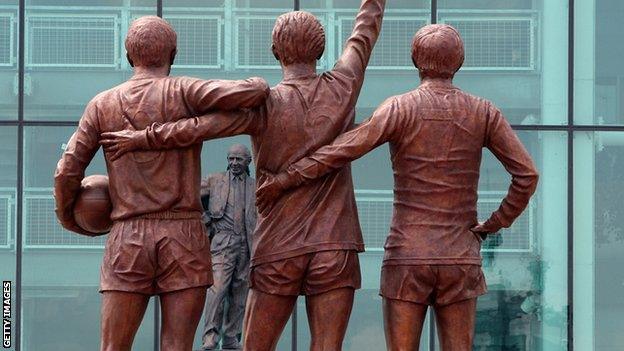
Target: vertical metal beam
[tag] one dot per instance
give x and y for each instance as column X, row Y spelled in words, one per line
column 159, row 8
column 434, row 11
column 20, row 174
column 297, row 5
column 571, row 175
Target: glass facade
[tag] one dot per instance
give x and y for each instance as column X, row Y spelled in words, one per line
column 554, row 277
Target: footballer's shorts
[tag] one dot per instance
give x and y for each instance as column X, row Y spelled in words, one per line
column 308, row 274
column 432, row 284
column 153, row 256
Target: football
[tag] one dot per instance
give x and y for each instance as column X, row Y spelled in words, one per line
column 93, row 207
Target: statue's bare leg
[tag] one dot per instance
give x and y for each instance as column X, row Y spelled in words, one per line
column 181, row 312
column 122, row 313
column 403, row 324
column 265, row 318
column 328, row 316
column 456, row 324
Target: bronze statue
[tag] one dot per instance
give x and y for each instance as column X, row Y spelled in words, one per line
column 308, row 243
column 436, row 135
column 158, row 244
column 229, row 200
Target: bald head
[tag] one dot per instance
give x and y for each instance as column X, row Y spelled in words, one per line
column 238, row 158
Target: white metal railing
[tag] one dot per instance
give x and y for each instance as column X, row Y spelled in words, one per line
column 7, row 213
column 199, row 40
column 41, row 228
column 7, row 39
column 497, row 43
column 80, row 37
column 72, row 40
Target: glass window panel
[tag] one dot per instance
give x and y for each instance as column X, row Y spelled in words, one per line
column 74, row 50
column 599, row 76
column 8, row 59
column 61, row 270
column 8, row 197
column 599, row 241
column 516, row 55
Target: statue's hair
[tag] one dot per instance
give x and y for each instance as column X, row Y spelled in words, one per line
column 438, row 51
column 150, row 42
column 298, row 37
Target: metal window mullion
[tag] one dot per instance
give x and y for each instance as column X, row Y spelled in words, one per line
column 570, row 326
column 20, row 166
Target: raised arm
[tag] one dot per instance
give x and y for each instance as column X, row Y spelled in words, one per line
column 184, row 132
column 71, row 168
column 359, row 47
column 203, row 96
column 508, row 149
column 383, row 126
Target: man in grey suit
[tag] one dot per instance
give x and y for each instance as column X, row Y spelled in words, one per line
column 230, row 203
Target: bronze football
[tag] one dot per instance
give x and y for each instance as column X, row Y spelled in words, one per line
column 92, row 210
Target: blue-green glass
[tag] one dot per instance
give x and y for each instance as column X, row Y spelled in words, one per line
column 516, row 55
column 599, row 241
column 8, row 59
column 8, row 194
column 598, row 91
column 74, row 50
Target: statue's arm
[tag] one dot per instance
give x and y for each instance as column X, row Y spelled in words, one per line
column 203, row 96
column 71, row 168
column 382, row 127
column 189, row 131
column 184, row 132
column 359, row 47
column 509, row 150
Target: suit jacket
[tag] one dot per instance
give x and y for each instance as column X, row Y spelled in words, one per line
column 214, row 193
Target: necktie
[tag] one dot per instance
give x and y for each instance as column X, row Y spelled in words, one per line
column 239, row 205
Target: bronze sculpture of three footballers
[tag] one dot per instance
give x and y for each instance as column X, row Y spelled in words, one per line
column 307, row 237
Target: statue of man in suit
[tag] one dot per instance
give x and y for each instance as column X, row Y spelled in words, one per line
column 229, row 201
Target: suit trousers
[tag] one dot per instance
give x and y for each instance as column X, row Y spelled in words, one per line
column 230, row 269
